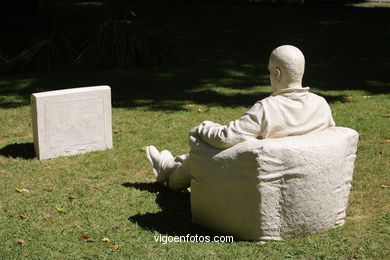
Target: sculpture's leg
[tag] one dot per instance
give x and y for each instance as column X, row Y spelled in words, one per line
column 162, row 163
column 180, row 178
column 169, row 170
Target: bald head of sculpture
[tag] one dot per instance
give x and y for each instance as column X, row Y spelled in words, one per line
column 286, row 67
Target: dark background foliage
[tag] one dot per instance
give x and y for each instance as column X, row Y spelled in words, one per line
column 200, row 43
column 46, row 36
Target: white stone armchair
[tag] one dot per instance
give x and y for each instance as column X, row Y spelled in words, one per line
column 271, row 189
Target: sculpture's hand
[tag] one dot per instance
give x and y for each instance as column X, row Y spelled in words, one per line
column 193, row 131
column 197, row 129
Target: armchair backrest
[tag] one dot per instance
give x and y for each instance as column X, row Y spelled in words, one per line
column 274, row 188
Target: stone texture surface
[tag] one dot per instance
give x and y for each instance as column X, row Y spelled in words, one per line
column 271, row 189
column 71, row 121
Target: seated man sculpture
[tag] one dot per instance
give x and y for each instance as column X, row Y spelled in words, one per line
column 290, row 110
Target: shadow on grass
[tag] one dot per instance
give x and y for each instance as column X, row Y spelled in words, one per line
column 24, row 151
column 153, row 90
column 344, row 47
column 175, row 215
column 13, row 104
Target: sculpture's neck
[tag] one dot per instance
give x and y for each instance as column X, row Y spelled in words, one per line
column 294, row 85
column 290, row 85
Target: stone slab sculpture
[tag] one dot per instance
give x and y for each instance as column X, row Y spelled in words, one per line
column 71, row 121
column 281, row 170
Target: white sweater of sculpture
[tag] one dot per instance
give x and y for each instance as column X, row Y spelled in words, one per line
column 291, row 111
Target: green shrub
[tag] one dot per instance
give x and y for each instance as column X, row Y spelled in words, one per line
column 3, row 62
column 114, row 44
column 124, row 44
column 52, row 53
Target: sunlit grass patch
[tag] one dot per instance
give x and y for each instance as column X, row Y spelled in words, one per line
column 112, row 186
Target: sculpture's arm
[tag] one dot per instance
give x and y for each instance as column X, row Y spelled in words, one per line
column 240, row 130
column 331, row 122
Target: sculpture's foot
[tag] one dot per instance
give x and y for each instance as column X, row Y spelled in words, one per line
column 161, row 162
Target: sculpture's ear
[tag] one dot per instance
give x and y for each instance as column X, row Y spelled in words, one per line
column 277, row 73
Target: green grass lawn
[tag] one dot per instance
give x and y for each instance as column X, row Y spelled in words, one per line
column 225, row 72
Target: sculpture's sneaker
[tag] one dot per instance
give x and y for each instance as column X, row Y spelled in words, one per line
column 161, row 163
column 166, row 156
column 152, row 154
